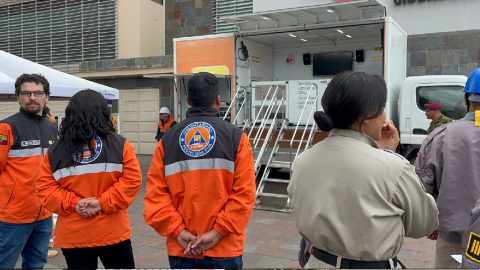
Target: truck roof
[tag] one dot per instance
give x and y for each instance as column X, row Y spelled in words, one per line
column 436, row 78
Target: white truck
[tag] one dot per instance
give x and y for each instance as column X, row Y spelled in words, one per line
column 274, row 69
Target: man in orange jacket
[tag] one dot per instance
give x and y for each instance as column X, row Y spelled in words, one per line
column 201, row 184
column 25, row 226
column 165, row 123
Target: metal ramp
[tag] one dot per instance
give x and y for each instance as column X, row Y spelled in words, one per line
column 274, row 162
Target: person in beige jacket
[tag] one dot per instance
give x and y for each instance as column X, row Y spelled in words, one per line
column 353, row 198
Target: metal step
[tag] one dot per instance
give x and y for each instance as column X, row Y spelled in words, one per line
column 279, row 164
column 275, row 180
column 272, row 195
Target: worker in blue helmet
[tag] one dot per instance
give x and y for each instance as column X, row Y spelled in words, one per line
column 448, row 167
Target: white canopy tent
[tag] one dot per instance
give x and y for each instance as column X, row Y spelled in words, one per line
column 61, row 84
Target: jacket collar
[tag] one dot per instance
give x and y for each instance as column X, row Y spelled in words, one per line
column 469, row 116
column 34, row 117
column 208, row 112
column 354, row 134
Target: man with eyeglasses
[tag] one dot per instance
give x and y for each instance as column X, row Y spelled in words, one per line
column 25, row 226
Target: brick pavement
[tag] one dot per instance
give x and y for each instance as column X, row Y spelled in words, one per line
column 272, row 240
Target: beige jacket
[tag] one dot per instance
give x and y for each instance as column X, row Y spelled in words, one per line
column 352, row 199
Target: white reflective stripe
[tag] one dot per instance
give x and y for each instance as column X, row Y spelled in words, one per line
column 199, row 164
column 89, row 168
column 26, row 152
column 44, row 151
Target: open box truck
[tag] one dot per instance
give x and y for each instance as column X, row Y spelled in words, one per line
column 274, row 69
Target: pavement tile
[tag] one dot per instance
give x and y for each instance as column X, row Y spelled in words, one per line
column 250, row 247
column 293, row 265
column 269, row 233
column 410, row 263
column 431, row 265
column 411, row 240
column 158, row 264
column 290, row 245
column 136, row 238
column 406, row 254
column 142, row 261
column 265, row 220
column 290, row 238
column 268, row 251
column 153, row 242
column 251, row 231
column 290, row 254
column 267, row 242
column 162, row 255
column 145, row 251
column 422, row 256
column 272, row 262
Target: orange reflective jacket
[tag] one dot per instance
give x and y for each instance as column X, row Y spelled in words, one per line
column 111, row 174
column 202, row 176
column 24, row 138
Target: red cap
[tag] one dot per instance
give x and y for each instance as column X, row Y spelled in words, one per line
column 433, row 106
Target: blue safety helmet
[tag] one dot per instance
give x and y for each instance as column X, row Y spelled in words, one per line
column 473, row 83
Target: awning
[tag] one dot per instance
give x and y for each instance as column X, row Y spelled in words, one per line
column 61, row 84
column 313, row 17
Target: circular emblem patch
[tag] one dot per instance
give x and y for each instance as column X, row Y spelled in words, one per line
column 197, row 139
column 87, row 154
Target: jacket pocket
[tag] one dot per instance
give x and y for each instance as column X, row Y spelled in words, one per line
column 9, row 197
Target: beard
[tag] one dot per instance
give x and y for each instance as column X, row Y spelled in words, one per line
column 33, row 110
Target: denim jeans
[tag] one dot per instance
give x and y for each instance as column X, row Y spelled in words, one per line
column 29, row 240
column 206, row 263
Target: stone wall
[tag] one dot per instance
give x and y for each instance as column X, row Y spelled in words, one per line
column 129, row 63
column 451, row 53
column 186, row 18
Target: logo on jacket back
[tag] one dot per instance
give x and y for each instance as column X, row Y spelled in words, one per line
column 88, row 156
column 197, row 139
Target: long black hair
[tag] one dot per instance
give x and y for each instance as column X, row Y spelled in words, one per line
column 87, row 115
column 349, row 97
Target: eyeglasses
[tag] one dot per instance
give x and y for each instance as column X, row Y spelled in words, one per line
column 35, row 93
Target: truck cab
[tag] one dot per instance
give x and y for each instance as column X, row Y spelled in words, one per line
column 414, row 94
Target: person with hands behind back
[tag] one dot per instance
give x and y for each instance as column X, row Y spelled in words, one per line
column 353, row 197
column 89, row 177
column 201, row 184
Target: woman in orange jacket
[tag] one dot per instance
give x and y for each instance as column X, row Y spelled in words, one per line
column 89, row 177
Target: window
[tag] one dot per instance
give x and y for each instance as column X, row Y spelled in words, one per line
column 451, row 98
column 59, row 32
column 229, row 8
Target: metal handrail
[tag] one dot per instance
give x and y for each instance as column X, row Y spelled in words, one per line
column 239, row 89
column 260, row 111
column 242, row 104
column 265, row 119
column 265, row 143
column 298, row 123
column 306, row 127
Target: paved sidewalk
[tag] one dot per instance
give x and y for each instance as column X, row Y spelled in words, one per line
column 272, row 240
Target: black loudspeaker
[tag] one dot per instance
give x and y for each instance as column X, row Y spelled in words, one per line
column 359, row 56
column 307, row 59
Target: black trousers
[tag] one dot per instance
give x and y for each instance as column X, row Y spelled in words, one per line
column 116, row 256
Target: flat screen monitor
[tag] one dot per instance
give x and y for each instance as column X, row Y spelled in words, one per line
column 325, row 64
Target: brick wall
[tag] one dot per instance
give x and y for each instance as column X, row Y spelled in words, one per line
column 451, row 53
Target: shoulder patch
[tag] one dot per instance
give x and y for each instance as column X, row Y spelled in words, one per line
column 473, row 247
column 197, row 139
column 3, row 139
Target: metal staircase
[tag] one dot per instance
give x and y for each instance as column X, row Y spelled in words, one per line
column 275, row 163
